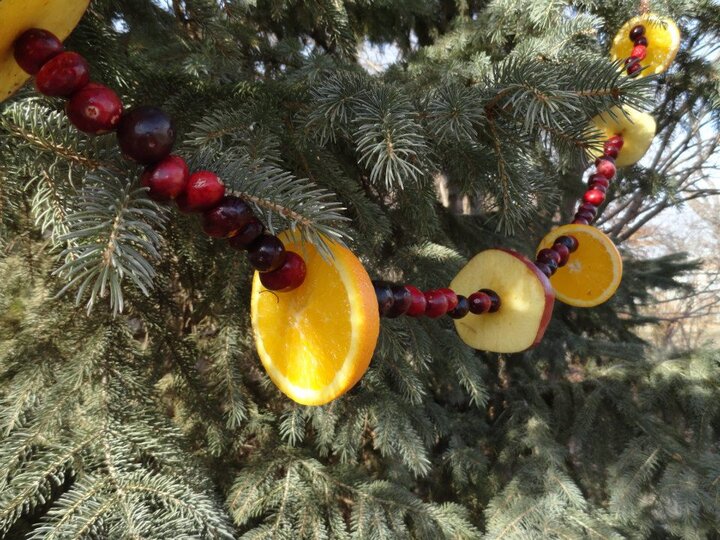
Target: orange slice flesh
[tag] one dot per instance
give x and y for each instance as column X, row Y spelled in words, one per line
column 316, row 341
column 593, row 272
column 663, row 38
column 57, row 16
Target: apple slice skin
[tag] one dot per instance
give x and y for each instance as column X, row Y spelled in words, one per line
column 503, row 270
column 57, row 16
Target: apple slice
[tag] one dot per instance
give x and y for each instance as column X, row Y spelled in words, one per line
column 57, row 16
column 526, row 302
column 636, row 128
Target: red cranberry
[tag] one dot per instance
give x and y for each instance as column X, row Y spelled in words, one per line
column 94, row 109
column 610, row 150
column 247, row 235
column 563, row 251
column 288, row 277
column 63, row 75
column 267, row 253
column 385, row 298
column 642, row 40
column 227, row 218
column 616, row 140
column 204, row 190
column 637, row 31
column 451, row 297
column 437, row 304
column 594, row 197
column 402, row 299
column 544, row 268
column 633, row 69
column 418, row 303
column 569, row 242
column 547, row 255
column 479, row 303
column 605, row 167
column 494, row 300
column 146, row 134
column 34, row 47
column 166, row 179
column 461, row 309
column 639, row 52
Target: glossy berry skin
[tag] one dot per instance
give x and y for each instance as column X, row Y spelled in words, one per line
column 94, row 109
column 598, row 186
column 227, row 218
column 642, row 40
column 610, row 150
column 401, row 301
column 461, row 309
column 563, row 251
column 437, row 304
column 146, row 134
column 204, row 190
column 605, row 167
column 639, row 52
column 594, row 197
column 267, row 253
column 495, row 302
column 546, row 255
column 636, row 32
column 247, row 235
column 569, row 242
column 633, row 69
column 479, row 303
column 417, row 302
column 598, row 179
column 166, row 179
column 288, row 277
column 544, row 268
column 34, row 48
column 451, row 297
column 385, row 298
column 63, row 75
column 616, row 140
column 588, row 217
column 589, row 208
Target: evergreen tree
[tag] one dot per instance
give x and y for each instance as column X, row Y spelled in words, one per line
column 133, row 402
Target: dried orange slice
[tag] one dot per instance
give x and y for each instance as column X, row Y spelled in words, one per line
column 317, row 341
column 593, row 272
column 663, row 42
column 636, row 128
column 57, row 16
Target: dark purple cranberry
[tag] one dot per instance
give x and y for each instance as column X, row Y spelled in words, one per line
column 642, row 40
column 479, row 303
column 634, row 70
column 34, row 48
column 546, row 255
column 580, row 221
column 544, row 268
column 598, row 186
column 146, row 134
column 94, row 109
column 587, row 217
column 288, row 277
column 563, row 251
column 636, row 32
column 461, row 309
column 227, row 218
column 247, row 234
column 598, row 179
column 588, row 207
column 569, row 242
column 385, row 297
column 63, row 75
column 494, row 300
column 401, row 301
column 267, row 253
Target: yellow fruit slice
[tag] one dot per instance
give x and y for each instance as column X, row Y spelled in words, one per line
column 593, row 272
column 317, row 341
column 636, row 128
column 663, row 38
column 57, row 16
column 526, row 302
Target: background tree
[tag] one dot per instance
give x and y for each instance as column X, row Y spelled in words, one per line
column 133, row 404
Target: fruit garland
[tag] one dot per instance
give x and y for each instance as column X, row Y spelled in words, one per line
column 309, row 358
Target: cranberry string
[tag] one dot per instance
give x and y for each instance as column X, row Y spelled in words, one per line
column 639, row 50
column 397, row 300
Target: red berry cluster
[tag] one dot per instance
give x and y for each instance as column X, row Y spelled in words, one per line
column 599, row 182
column 396, row 300
column 146, row 135
column 549, row 260
column 632, row 63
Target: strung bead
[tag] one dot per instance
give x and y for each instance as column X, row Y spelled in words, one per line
column 34, row 47
column 461, row 309
column 146, row 134
column 598, row 186
column 594, row 197
column 636, row 32
column 639, row 52
column 580, row 221
column 544, row 268
column 569, row 242
column 418, row 303
column 204, row 190
column 642, row 40
column 246, row 235
column 384, row 294
column 616, row 140
column 94, row 109
column 494, row 300
column 605, row 167
column 166, row 179
column 437, row 304
column 479, row 303
column 546, row 255
column 633, row 69
column 63, row 75
column 267, row 253
column 451, row 298
column 588, row 207
column 401, row 301
column 598, row 179
column 610, row 150
column 563, row 251
column 227, row 218
column 586, row 217
column 288, row 277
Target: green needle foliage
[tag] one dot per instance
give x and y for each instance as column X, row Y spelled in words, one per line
column 133, row 404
